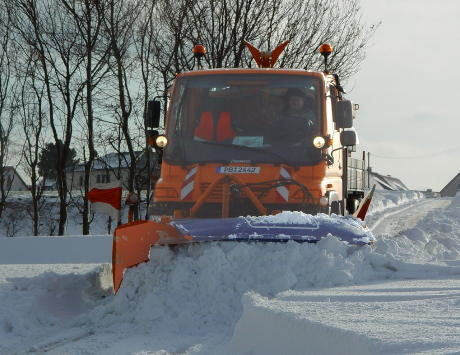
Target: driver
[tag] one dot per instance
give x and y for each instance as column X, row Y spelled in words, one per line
column 298, row 120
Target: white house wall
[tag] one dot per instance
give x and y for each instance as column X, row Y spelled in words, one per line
column 75, row 180
column 17, row 184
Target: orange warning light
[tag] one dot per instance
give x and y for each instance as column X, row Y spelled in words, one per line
column 325, row 49
column 199, row 50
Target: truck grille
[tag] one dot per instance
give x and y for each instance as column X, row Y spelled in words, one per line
column 216, row 194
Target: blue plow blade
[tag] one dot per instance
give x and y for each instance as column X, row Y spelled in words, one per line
column 347, row 229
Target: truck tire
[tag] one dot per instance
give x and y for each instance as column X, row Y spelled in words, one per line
column 352, row 205
column 335, row 208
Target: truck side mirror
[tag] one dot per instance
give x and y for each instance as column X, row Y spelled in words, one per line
column 152, row 116
column 348, row 138
column 344, row 114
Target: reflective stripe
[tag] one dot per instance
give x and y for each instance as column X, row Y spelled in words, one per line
column 282, row 190
column 284, row 173
column 188, row 184
column 185, row 191
column 191, row 173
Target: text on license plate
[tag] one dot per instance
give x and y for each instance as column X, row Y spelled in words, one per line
column 238, row 170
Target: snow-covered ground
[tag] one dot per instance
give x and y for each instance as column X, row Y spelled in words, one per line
column 399, row 296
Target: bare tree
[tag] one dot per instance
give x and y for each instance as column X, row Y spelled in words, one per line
column 306, row 24
column 146, row 39
column 119, row 20
column 172, row 48
column 221, row 26
column 87, row 16
column 8, row 87
column 97, row 63
column 43, row 26
column 32, row 114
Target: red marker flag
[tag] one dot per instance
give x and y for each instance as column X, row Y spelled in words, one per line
column 364, row 205
column 106, row 198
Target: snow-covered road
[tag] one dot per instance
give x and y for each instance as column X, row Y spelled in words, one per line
column 400, row 296
column 393, row 317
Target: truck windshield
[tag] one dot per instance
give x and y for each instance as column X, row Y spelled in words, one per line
column 255, row 118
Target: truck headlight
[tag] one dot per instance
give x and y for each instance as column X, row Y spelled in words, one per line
column 319, row 142
column 324, row 201
column 161, row 141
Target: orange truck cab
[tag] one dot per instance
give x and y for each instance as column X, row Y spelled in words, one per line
column 255, row 142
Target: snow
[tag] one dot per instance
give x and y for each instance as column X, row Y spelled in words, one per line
column 400, row 295
column 55, row 250
column 365, row 319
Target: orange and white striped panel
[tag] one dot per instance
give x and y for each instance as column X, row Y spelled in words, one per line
column 283, row 192
column 188, row 184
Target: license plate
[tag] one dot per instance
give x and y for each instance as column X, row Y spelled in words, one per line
column 238, row 170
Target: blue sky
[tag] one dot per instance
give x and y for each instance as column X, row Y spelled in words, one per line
column 408, row 89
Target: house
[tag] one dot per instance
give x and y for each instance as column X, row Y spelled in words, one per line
column 452, row 187
column 112, row 167
column 387, row 182
column 48, row 184
column 13, row 181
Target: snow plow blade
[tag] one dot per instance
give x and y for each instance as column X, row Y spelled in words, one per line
column 262, row 229
column 132, row 241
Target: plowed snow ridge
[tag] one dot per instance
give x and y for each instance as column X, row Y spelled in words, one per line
column 190, row 299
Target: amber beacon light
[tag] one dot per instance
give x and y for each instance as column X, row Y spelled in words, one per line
column 199, row 51
column 325, row 50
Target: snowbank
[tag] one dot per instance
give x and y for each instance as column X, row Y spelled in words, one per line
column 435, row 239
column 373, row 318
column 395, row 317
column 56, row 250
column 264, row 329
column 38, row 303
column 385, row 200
column 251, row 298
column 194, row 290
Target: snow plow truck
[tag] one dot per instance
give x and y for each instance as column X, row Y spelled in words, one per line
column 253, row 142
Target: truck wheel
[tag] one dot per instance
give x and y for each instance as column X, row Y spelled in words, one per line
column 356, row 204
column 352, row 205
column 335, row 208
